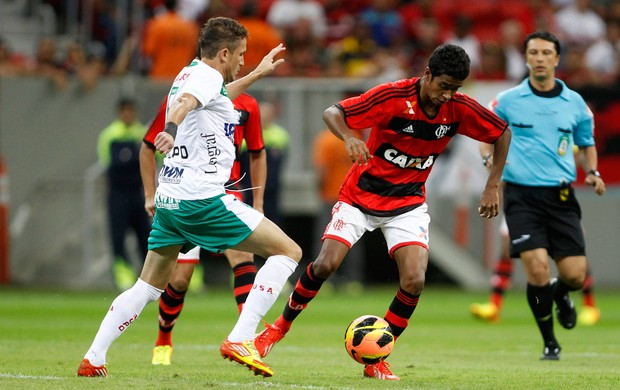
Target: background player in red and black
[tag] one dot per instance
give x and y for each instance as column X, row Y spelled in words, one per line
column 411, row 123
column 248, row 128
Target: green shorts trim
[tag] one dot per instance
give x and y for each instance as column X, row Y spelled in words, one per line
column 214, row 224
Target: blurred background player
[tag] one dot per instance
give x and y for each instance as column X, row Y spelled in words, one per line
column 118, row 152
column 171, row 302
column 276, row 142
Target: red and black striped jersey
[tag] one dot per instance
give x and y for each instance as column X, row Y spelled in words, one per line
column 405, row 143
column 248, row 127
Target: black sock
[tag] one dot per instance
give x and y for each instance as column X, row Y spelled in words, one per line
column 541, row 302
column 306, row 289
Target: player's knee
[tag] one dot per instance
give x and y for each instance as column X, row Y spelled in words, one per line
column 575, row 281
column 294, row 251
column 324, row 268
column 179, row 283
column 413, row 284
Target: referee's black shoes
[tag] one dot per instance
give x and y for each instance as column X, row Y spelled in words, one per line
column 564, row 307
column 551, row 352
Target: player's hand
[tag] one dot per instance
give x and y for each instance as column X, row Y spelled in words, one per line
column 163, row 142
column 268, row 63
column 358, row 151
column 149, row 206
column 596, row 182
column 489, row 204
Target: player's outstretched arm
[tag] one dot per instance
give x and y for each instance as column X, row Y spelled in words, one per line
column 266, row 66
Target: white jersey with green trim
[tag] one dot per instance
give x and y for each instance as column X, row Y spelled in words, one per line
column 200, row 162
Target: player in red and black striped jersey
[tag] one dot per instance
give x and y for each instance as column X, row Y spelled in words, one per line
column 411, row 123
column 248, row 128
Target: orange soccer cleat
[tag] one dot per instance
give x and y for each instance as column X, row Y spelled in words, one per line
column 380, row 371
column 87, row 369
column 245, row 353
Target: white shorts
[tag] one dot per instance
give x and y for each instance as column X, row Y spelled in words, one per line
column 348, row 224
column 193, row 256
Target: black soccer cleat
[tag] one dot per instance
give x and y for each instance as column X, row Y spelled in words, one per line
column 551, row 352
column 564, row 308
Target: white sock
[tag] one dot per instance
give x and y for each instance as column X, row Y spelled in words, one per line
column 124, row 310
column 267, row 286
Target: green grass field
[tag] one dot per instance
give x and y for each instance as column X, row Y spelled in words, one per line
column 44, row 335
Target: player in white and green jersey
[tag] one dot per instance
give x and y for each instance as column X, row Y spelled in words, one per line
column 192, row 207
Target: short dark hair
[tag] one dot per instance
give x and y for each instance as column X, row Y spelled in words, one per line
column 219, row 33
column 545, row 35
column 125, row 102
column 170, row 5
column 451, row 60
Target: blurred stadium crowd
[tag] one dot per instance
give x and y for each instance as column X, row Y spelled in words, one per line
column 338, row 38
column 379, row 39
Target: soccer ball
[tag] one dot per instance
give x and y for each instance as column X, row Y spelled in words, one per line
column 369, row 339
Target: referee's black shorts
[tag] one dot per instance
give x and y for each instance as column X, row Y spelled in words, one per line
column 543, row 217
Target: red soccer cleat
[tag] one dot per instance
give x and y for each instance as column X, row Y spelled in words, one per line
column 87, row 369
column 266, row 339
column 380, row 371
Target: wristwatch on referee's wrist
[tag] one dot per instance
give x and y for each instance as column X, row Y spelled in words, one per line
column 594, row 172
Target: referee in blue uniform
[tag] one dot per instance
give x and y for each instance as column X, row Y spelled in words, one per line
column 544, row 218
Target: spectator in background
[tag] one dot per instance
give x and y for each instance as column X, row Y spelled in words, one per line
column 573, row 69
column 384, row 21
column 118, row 150
column 306, row 55
column 612, row 13
column 11, row 64
column 105, row 28
column 169, row 42
column 340, row 16
column 428, row 35
column 352, row 56
column 492, row 62
column 579, row 24
column 220, row 8
column 86, row 66
column 411, row 13
column 192, row 9
column 462, row 36
column 284, row 14
column 46, row 63
column 602, row 57
column 544, row 16
column 389, row 65
column 511, row 40
column 262, row 36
